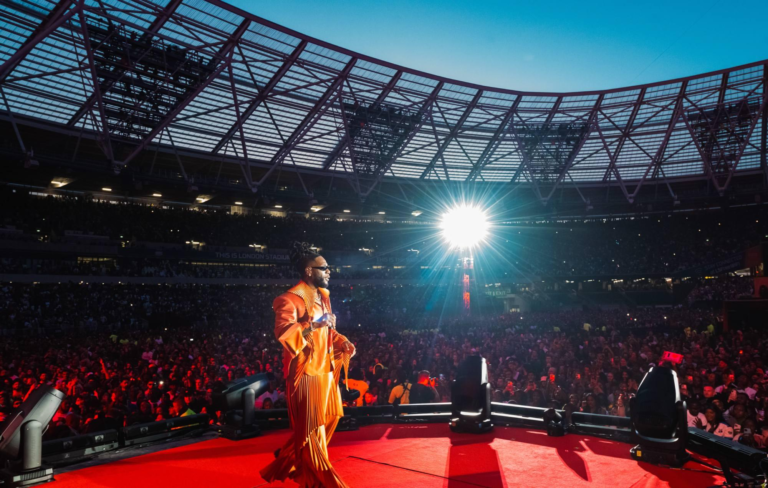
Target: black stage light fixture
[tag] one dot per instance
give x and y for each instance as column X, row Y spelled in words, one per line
column 349, row 396
column 471, row 397
column 751, row 462
column 237, row 401
column 348, row 422
column 658, row 420
column 21, row 439
column 554, row 423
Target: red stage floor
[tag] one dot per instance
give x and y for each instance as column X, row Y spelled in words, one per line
column 407, row 456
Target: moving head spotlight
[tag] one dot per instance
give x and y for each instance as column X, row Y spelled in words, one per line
column 658, row 420
column 21, row 438
column 471, row 397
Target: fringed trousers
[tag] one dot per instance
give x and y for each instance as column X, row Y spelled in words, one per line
column 314, row 408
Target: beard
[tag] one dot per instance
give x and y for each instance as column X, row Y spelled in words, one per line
column 320, row 282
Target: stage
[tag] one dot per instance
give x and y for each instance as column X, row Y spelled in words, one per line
column 386, row 455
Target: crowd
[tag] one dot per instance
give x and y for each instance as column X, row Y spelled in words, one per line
column 167, row 268
column 721, row 288
column 126, row 354
column 129, row 222
column 661, row 244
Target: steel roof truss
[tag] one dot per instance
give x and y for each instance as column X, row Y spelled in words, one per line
column 336, row 152
column 501, row 131
column 454, row 131
column 657, row 159
column 622, row 138
column 287, row 64
column 226, row 53
column 58, row 16
column 705, row 156
column 310, row 119
column 426, row 107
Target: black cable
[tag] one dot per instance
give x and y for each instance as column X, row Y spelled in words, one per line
column 697, row 470
column 707, row 464
column 414, row 470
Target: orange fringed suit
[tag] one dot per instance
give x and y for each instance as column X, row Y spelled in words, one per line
column 312, row 366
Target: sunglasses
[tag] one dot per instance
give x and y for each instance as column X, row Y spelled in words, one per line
column 324, row 268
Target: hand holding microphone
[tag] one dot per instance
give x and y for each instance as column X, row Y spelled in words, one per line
column 327, row 320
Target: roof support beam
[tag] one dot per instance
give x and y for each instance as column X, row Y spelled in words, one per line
column 153, row 29
column 282, row 137
column 554, row 110
column 723, row 89
column 612, row 157
column 59, row 15
column 104, row 133
column 707, row 158
column 623, row 137
column 309, row 120
column 591, row 122
column 355, row 181
column 178, row 159
column 452, row 134
column 343, row 142
column 495, row 141
column 161, row 19
column 764, row 127
column 225, row 53
column 656, row 160
column 425, row 107
column 244, row 166
column 523, row 160
column 263, row 93
column 13, row 121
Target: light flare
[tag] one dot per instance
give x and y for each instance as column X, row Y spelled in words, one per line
column 464, row 226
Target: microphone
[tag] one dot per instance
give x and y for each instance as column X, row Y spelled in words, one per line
column 326, row 317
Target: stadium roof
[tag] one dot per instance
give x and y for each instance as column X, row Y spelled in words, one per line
column 207, row 77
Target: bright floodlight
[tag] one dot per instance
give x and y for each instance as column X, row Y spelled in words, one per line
column 464, row 226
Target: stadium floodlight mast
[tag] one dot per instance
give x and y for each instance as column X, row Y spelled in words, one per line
column 464, row 226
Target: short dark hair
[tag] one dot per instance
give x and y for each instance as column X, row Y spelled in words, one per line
column 357, row 374
column 402, row 376
column 301, row 254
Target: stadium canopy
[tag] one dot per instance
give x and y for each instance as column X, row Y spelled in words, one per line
column 206, row 77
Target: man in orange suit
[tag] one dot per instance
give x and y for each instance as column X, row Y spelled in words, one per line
column 313, row 355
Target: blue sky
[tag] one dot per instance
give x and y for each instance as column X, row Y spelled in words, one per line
column 537, row 45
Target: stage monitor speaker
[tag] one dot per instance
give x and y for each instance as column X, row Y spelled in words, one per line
column 659, row 423
column 471, row 397
column 74, row 449
column 140, row 435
